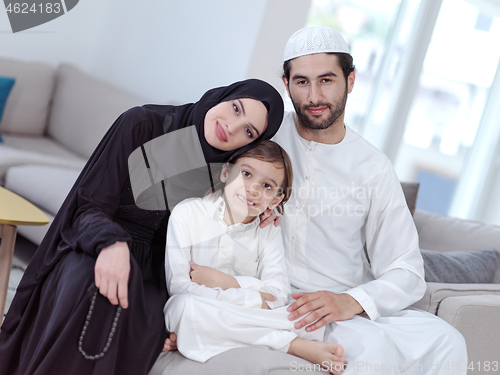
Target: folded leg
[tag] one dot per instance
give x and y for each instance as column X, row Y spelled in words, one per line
column 208, row 327
column 409, row 341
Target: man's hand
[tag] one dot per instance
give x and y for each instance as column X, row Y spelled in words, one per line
column 112, row 269
column 170, row 343
column 211, row 277
column 269, row 216
column 326, row 306
column 266, row 297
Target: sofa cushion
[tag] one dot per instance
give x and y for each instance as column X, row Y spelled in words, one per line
column 444, row 233
column 27, row 109
column 84, row 108
column 35, row 233
column 460, row 267
column 43, row 145
column 21, row 150
column 52, row 184
column 410, row 190
column 6, row 84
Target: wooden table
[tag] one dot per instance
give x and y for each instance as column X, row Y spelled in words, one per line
column 14, row 211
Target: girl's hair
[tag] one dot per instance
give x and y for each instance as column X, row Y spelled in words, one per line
column 271, row 152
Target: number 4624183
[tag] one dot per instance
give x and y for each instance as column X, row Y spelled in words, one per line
column 35, row 8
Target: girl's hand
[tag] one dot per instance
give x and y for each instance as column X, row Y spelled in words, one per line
column 170, row 343
column 266, row 297
column 268, row 217
column 112, row 269
column 211, row 277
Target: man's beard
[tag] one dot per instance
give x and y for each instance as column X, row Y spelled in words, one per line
column 338, row 110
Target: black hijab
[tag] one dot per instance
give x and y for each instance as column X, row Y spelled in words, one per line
column 194, row 114
column 180, row 163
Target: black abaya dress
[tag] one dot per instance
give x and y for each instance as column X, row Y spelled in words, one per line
column 41, row 331
column 40, row 334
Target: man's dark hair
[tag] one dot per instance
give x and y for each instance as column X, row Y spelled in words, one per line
column 344, row 61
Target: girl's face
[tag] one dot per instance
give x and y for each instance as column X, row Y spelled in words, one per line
column 254, row 185
column 235, row 123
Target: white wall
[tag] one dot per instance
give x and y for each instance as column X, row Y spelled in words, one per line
column 281, row 19
column 162, row 50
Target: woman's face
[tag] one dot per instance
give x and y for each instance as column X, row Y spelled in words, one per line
column 235, row 123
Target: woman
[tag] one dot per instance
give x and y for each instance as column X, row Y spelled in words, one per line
column 59, row 323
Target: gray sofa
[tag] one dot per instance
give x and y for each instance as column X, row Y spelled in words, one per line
column 53, row 120
column 55, row 117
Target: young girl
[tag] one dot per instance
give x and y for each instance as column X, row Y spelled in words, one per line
column 224, row 272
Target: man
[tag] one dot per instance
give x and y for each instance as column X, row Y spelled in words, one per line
column 352, row 247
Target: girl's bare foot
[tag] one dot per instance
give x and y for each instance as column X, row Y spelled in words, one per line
column 326, row 354
column 170, row 343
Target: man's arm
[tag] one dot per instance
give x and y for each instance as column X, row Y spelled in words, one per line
column 393, row 251
column 395, row 260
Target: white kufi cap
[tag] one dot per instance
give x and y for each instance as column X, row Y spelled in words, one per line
column 314, row 39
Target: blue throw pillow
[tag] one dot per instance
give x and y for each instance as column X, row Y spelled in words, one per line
column 6, row 84
column 460, row 267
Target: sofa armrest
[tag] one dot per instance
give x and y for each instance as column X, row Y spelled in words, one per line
column 436, row 293
column 477, row 318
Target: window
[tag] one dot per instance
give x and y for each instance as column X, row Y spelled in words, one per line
column 425, row 75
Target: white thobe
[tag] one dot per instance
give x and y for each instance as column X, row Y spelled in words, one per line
column 347, row 229
column 346, row 198
column 209, row 321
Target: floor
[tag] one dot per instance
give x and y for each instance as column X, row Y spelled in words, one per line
column 23, row 252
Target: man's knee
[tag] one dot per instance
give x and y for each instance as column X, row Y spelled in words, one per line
column 362, row 337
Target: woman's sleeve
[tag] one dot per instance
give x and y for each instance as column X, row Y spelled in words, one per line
column 99, row 186
column 177, row 266
column 271, row 273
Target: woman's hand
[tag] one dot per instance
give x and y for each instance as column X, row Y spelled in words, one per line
column 112, row 269
column 267, row 217
column 211, row 277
